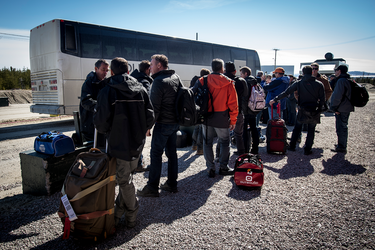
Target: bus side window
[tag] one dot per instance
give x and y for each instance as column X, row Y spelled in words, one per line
column 70, row 38
column 90, row 42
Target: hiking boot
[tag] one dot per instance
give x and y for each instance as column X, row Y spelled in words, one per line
column 141, row 168
column 199, row 152
column 131, row 224
column 227, row 171
column 168, row 188
column 339, row 150
column 211, row 173
column 194, row 147
column 147, row 192
column 291, row 148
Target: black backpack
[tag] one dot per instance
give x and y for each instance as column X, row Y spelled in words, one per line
column 202, row 97
column 186, row 109
column 359, row 95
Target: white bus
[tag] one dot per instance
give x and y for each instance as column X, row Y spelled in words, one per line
column 63, row 52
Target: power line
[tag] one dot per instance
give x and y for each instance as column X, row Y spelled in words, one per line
column 13, row 36
column 322, row 46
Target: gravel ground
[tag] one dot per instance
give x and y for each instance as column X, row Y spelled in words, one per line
column 321, row 201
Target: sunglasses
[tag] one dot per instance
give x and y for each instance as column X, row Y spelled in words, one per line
column 315, row 68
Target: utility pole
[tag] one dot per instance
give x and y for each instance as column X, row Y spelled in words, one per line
column 275, row 56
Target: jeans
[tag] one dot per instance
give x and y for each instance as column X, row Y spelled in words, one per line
column 209, row 134
column 291, row 107
column 259, row 115
column 275, row 114
column 163, row 137
column 251, row 121
column 342, row 121
column 198, row 136
column 126, row 201
column 297, row 132
column 238, row 132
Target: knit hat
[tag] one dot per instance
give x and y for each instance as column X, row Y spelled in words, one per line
column 279, row 70
column 229, row 67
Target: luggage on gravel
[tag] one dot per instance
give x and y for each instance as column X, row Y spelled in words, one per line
column 88, row 196
column 276, row 134
column 54, row 143
column 248, row 171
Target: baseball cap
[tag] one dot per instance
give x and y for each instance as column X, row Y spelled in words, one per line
column 279, row 70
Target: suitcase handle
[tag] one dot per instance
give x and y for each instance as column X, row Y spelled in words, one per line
column 94, row 150
column 278, row 110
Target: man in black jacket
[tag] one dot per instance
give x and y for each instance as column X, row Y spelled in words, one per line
column 89, row 94
column 249, row 115
column 242, row 90
column 311, row 99
column 143, row 76
column 163, row 97
column 124, row 114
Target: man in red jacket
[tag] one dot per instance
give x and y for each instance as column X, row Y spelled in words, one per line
column 223, row 109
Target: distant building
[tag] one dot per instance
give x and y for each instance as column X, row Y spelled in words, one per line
column 326, row 66
column 289, row 69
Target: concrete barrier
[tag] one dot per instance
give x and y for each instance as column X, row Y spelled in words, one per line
column 44, row 174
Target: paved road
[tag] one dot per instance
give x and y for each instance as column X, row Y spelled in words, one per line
column 18, row 111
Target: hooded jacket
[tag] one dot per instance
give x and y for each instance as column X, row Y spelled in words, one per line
column 275, row 88
column 124, row 113
column 143, row 78
column 339, row 103
column 89, row 95
column 225, row 102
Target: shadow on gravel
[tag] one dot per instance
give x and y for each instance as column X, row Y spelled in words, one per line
column 339, row 165
column 183, row 163
column 20, row 210
column 298, row 164
column 243, row 193
column 153, row 211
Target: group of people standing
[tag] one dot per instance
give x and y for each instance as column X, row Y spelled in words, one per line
column 124, row 108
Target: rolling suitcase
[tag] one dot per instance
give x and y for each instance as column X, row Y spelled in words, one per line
column 248, row 171
column 276, row 134
column 88, row 196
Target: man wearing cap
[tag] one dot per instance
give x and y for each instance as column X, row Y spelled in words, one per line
column 342, row 107
column 277, row 86
column 242, row 91
column 311, row 100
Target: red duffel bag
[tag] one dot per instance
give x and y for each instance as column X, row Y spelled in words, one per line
column 248, row 171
